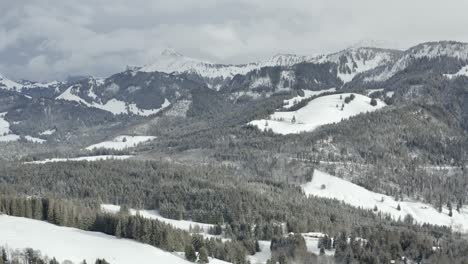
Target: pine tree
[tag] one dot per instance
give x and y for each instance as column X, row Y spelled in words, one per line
column 203, row 255
column 293, row 120
column 118, row 229
column 54, row 261
column 398, row 207
column 190, row 253
column 4, row 256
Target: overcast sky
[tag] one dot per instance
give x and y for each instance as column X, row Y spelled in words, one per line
column 51, row 39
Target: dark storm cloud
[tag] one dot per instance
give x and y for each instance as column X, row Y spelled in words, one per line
column 45, row 39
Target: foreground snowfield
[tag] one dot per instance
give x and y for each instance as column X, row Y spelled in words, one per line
column 352, row 194
column 320, row 111
column 122, row 142
column 75, row 245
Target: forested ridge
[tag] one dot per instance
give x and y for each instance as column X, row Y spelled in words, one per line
column 248, row 210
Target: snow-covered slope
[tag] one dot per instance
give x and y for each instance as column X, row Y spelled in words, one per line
column 122, row 142
column 307, row 94
column 264, row 255
column 85, row 158
column 450, row 49
column 152, row 214
column 353, row 61
column 113, row 106
column 9, row 84
column 320, row 111
column 75, row 245
column 352, row 194
column 6, row 135
column 462, row 72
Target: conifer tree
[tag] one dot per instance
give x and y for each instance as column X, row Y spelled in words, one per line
column 190, row 253
column 203, row 255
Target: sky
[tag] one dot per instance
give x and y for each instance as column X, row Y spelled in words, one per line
column 52, row 39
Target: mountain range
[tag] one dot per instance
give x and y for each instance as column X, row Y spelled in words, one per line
column 433, row 72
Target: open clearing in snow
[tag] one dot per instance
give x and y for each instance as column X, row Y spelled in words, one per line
column 323, row 110
column 85, row 158
column 153, row 214
column 355, row 195
column 122, row 142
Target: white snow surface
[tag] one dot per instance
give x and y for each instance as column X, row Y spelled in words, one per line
column 122, row 142
column 35, row 139
column 307, row 94
column 320, row 111
column 9, row 84
column 72, row 244
column 462, row 72
column 84, row 158
column 47, row 132
column 9, row 138
column 352, row 194
column 264, row 255
column 4, row 125
column 153, row 214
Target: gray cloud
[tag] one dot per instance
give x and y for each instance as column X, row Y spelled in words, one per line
column 48, row 39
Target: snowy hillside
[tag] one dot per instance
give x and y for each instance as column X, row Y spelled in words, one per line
column 352, row 194
column 320, row 111
column 8, row 84
column 6, row 135
column 122, row 142
column 462, row 72
column 85, row 158
column 75, row 245
column 152, row 214
column 353, row 61
column 113, row 106
column 426, row 50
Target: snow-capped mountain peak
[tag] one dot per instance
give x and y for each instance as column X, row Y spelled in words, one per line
column 168, row 52
column 8, row 84
column 355, row 60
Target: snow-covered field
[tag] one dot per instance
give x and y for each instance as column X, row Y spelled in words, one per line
column 153, row 214
column 320, row 111
column 352, row 194
column 75, row 245
column 122, row 142
column 85, row 158
column 312, row 240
